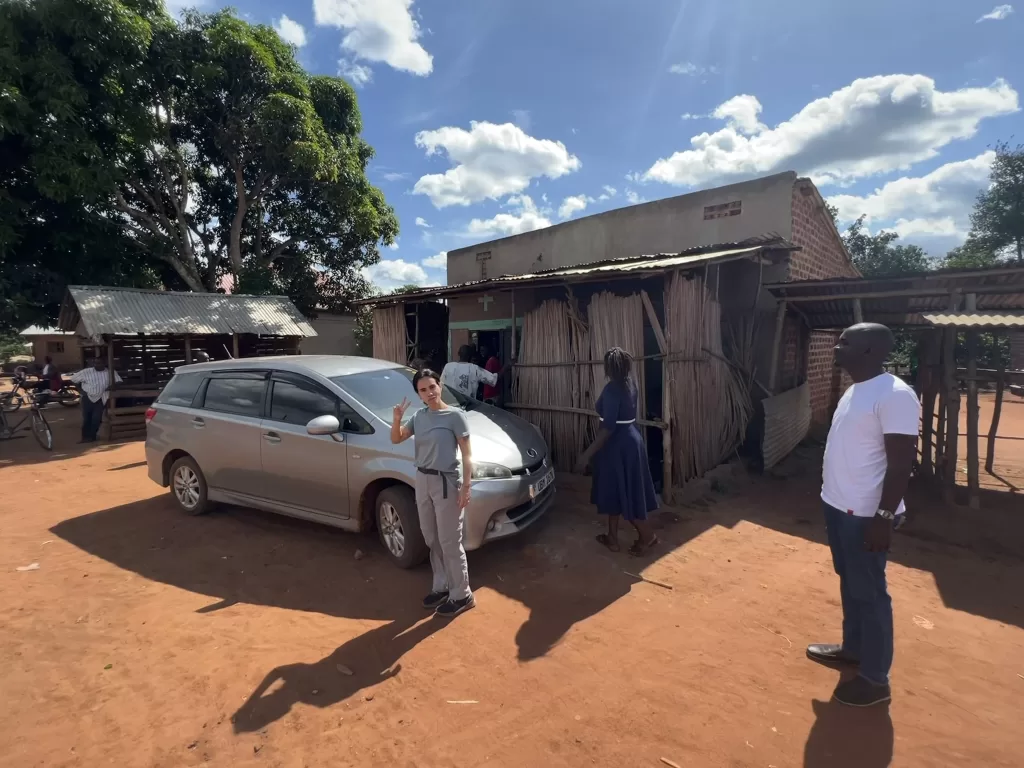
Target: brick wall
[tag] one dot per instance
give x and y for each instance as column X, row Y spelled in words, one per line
column 822, row 254
column 791, row 365
column 822, row 375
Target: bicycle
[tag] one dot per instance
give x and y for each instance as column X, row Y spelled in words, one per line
column 40, row 427
column 13, row 400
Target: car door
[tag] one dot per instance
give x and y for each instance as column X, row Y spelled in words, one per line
column 306, row 473
column 225, row 430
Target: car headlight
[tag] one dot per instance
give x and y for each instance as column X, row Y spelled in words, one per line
column 485, row 471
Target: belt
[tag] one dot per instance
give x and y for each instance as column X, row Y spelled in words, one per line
column 437, row 473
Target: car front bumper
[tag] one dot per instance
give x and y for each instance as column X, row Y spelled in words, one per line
column 502, row 508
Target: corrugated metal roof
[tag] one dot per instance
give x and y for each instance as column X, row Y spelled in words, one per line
column 128, row 311
column 976, row 319
column 630, row 265
column 39, row 330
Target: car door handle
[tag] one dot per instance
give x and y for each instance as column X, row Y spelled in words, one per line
column 198, row 423
column 272, row 437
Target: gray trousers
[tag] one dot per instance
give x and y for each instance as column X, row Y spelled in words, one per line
column 441, row 524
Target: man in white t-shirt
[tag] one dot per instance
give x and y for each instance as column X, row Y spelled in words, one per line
column 465, row 376
column 868, row 460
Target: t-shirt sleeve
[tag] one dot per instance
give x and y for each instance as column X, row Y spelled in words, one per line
column 460, row 425
column 608, row 406
column 77, row 377
column 899, row 412
column 487, row 377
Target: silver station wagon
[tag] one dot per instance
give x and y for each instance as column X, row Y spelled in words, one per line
column 309, row 436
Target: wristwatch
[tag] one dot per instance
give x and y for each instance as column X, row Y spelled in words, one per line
column 886, row 514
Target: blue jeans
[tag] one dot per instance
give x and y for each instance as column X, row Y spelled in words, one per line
column 867, row 607
column 92, row 417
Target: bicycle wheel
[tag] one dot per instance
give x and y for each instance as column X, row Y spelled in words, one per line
column 12, row 402
column 41, row 430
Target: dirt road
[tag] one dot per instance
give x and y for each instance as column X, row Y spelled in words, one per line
column 147, row 638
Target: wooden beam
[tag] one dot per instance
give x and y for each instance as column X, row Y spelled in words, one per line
column 234, row 346
column 666, row 400
column 188, row 349
column 773, row 371
column 858, row 311
column 652, row 318
column 951, row 386
column 514, row 345
column 973, row 485
column 997, row 409
column 903, row 293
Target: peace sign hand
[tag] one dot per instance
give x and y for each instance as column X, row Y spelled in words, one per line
column 400, row 410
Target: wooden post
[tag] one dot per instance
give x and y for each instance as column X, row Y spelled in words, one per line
column 234, row 346
column 188, row 349
column 666, row 400
column 928, row 354
column 416, row 333
column 951, row 386
column 111, row 399
column 858, row 311
column 514, row 345
column 990, row 453
column 773, row 372
column 973, row 461
column 142, row 340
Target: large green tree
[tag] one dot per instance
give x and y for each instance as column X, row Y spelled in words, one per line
column 878, row 255
column 190, row 151
column 997, row 222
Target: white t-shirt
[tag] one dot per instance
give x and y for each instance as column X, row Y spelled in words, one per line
column 855, row 460
column 466, row 378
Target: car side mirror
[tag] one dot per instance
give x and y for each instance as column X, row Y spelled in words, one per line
column 324, row 425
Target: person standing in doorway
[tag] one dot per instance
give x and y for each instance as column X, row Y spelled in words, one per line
column 491, row 392
column 442, row 433
column 869, row 456
column 94, row 384
column 622, row 484
column 466, row 376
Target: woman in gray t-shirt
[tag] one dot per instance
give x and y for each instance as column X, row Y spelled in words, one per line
column 441, row 496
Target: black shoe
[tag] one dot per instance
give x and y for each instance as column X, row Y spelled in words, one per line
column 452, row 608
column 831, row 654
column 861, row 692
column 434, row 599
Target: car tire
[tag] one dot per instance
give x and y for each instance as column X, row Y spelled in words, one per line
column 188, row 486
column 398, row 526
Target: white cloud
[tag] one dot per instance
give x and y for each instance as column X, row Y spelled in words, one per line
column 394, row 176
column 394, row 246
column 378, row 31
column 526, row 218
column 935, row 205
column 390, row 274
column 437, row 261
column 522, row 118
column 421, row 222
column 573, row 204
column 690, row 69
column 633, row 198
column 872, row 126
column 291, row 31
column 358, row 74
column 998, row 13
column 490, row 161
column 608, row 194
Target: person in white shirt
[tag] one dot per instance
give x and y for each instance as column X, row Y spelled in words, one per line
column 466, row 377
column 869, row 456
column 94, row 384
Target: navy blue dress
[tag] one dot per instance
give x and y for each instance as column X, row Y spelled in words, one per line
column 622, row 478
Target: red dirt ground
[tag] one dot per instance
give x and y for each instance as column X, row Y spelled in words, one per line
column 147, row 638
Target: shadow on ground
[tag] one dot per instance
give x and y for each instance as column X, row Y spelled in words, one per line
column 844, row 737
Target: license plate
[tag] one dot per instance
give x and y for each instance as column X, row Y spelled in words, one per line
column 538, row 488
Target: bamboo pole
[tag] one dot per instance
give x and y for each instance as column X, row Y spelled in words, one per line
column 580, row 411
column 773, row 371
column 659, row 356
column 952, row 406
column 993, row 430
column 973, row 484
column 666, row 399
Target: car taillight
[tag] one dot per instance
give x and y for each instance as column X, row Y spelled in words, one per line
column 150, row 413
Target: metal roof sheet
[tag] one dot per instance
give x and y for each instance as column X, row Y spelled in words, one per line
column 976, row 319
column 630, row 265
column 128, row 311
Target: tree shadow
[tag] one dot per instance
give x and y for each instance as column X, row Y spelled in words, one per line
column 847, row 737
column 362, row 662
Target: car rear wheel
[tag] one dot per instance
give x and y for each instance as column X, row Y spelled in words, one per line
column 398, row 527
column 188, row 486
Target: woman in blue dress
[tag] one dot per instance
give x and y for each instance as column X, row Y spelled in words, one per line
column 622, row 486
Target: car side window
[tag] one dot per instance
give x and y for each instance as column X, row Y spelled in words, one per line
column 241, row 396
column 352, row 421
column 297, row 404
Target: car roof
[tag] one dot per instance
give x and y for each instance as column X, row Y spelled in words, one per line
column 325, row 365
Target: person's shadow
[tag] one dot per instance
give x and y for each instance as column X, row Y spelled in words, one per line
column 848, row 737
column 371, row 658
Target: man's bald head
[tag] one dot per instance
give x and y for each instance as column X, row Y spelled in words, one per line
column 863, row 349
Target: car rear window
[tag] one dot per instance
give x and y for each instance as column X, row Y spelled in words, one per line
column 180, row 389
column 243, row 397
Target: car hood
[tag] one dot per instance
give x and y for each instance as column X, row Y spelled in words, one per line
column 498, row 437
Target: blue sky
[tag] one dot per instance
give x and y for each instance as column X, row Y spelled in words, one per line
column 492, row 117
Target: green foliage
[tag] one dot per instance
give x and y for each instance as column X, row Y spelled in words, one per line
column 878, row 256
column 11, row 345
column 970, row 255
column 134, row 151
column 997, row 223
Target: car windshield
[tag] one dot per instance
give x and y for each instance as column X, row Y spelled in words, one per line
column 380, row 391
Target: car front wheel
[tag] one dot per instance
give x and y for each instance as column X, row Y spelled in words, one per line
column 398, row 527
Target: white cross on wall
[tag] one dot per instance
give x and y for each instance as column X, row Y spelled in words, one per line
column 486, row 301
